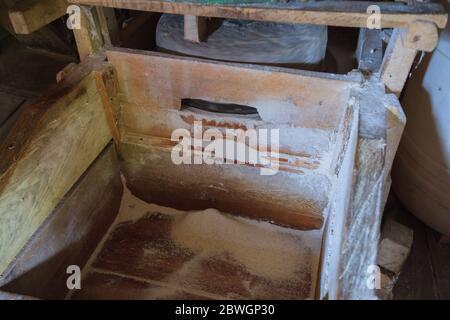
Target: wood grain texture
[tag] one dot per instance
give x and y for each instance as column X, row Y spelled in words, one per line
column 342, row 13
column 71, row 232
column 305, row 105
column 30, row 15
column 55, row 139
column 160, row 81
column 397, row 62
column 288, row 199
column 143, row 250
column 195, row 28
column 88, row 37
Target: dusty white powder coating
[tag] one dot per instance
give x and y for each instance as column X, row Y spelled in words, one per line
column 264, row 249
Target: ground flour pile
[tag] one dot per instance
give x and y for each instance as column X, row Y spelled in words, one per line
column 265, row 249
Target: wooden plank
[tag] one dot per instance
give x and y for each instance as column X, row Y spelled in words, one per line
column 380, row 128
column 422, row 35
column 195, row 28
column 286, row 198
column 151, row 87
column 108, row 25
column 71, row 233
column 342, row 13
column 55, row 139
column 397, row 62
column 304, row 96
column 27, row 16
column 89, row 36
column 369, row 52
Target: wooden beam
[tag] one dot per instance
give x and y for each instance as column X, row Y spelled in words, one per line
column 53, row 142
column 89, row 36
column 422, row 35
column 71, row 233
column 332, row 13
column 369, row 52
column 195, row 28
column 27, row 16
column 397, row 62
column 108, row 25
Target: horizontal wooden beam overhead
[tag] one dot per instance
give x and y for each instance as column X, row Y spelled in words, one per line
column 333, row 13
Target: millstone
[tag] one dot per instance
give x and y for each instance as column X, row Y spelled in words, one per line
column 248, row 41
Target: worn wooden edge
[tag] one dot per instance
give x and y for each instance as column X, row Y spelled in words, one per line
column 397, row 62
column 339, row 204
column 37, row 118
column 350, row 77
column 33, row 115
column 27, row 16
column 19, row 278
column 195, row 28
column 107, row 105
column 340, row 13
column 89, row 37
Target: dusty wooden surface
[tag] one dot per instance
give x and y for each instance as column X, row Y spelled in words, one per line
column 35, row 174
column 154, row 252
column 27, row 16
column 345, row 14
column 308, row 108
column 71, row 233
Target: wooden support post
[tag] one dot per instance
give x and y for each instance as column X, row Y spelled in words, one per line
column 27, row 16
column 108, row 25
column 89, row 36
column 397, row 62
column 369, row 51
column 402, row 50
column 422, row 35
column 195, row 28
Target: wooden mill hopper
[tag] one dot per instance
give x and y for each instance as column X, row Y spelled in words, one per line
column 115, row 112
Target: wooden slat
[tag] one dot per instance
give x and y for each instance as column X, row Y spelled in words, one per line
column 194, row 28
column 310, row 105
column 71, row 233
column 55, row 139
column 302, row 95
column 332, row 13
column 108, row 25
column 369, row 52
column 27, row 16
column 89, row 36
column 397, row 62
